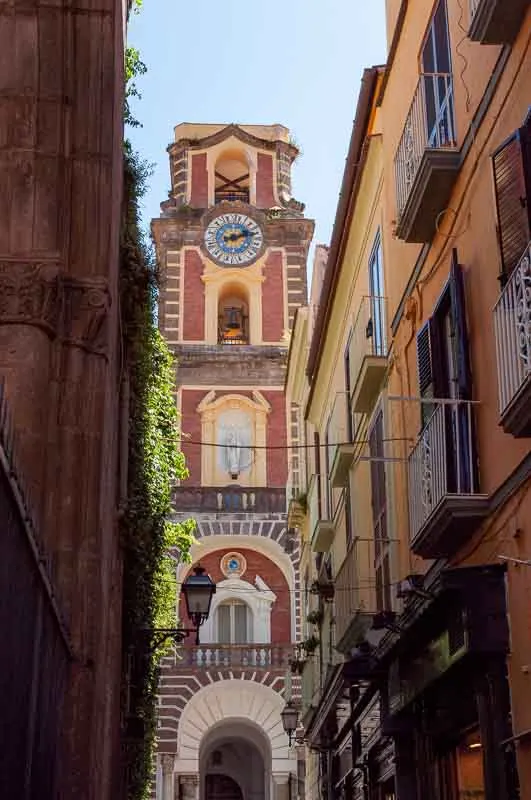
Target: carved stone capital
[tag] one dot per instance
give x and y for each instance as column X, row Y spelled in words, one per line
column 167, row 761
column 41, row 295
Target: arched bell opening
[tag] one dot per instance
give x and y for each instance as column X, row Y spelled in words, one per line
column 233, row 315
column 232, row 177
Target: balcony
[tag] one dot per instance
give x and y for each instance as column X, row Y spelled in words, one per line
column 496, row 21
column 355, row 597
column 258, row 656
column 445, row 505
column 340, row 448
column 427, row 159
column 368, row 354
column 512, row 327
column 321, row 527
column 229, row 499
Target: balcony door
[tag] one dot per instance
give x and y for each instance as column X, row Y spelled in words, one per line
column 444, row 373
column 377, row 324
column 233, row 622
column 436, row 68
column 382, row 545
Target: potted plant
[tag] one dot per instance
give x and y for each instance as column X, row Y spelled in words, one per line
column 311, row 644
column 315, row 617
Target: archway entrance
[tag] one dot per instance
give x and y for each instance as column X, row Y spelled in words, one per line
column 222, row 787
column 235, row 763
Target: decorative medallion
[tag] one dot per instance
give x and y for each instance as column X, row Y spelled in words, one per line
column 233, row 565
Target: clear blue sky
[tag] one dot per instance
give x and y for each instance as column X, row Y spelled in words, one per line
column 294, row 62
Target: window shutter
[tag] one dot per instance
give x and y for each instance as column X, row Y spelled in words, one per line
column 512, row 201
column 223, row 615
column 424, row 361
column 457, row 294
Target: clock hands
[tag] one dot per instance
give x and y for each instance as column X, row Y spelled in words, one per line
column 234, row 237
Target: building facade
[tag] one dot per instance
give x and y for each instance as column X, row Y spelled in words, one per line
column 232, row 245
column 418, row 404
column 61, row 172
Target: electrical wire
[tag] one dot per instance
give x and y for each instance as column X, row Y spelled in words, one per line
column 310, row 446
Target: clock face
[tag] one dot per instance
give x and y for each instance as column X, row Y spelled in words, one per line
column 233, row 239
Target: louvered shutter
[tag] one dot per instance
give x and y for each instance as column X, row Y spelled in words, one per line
column 424, row 363
column 512, row 202
column 430, row 383
column 457, row 294
column 223, row 615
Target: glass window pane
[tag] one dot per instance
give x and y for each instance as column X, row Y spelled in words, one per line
column 223, row 617
column 240, row 623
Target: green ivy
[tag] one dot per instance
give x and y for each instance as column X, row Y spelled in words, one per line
column 155, row 463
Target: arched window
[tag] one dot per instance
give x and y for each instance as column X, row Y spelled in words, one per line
column 233, row 622
column 233, row 316
column 231, row 177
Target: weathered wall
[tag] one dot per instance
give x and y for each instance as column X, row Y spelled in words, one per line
column 61, row 107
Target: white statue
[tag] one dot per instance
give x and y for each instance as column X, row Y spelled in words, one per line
column 233, row 449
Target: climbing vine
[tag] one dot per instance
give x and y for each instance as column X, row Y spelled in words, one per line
column 155, row 462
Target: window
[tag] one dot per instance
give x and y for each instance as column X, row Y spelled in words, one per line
column 376, row 327
column 233, row 623
column 436, row 68
column 382, row 547
column 444, row 373
column 512, row 183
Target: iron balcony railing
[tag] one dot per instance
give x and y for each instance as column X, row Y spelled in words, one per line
column 473, row 4
column 430, row 124
column 222, row 196
column 355, row 585
column 257, row 656
column 339, row 427
column 369, row 335
column 225, row 337
column 443, row 461
column 512, row 326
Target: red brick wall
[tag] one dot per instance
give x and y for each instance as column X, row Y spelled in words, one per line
column 264, row 181
column 193, row 297
column 191, row 428
column 257, row 564
column 273, row 299
column 199, row 194
column 277, row 461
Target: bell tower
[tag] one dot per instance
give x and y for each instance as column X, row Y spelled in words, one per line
column 232, row 245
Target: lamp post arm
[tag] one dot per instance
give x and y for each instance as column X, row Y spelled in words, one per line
column 160, row 635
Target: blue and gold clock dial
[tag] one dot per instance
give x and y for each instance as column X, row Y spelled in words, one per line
column 233, row 240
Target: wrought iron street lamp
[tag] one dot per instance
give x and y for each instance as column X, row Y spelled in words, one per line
column 290, row 719
column 198, row 590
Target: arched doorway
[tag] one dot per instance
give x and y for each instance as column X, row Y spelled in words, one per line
column 235, row 763
column 222, row 787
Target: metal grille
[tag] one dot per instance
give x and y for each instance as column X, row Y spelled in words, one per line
column 35, row 656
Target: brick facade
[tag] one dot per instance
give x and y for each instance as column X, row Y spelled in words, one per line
column 265, row 197
column 193, row 298
column 191, row 429
column 277, row 460
column 199, row 193
column 273, row 323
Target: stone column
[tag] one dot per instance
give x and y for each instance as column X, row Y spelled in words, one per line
column 189, row 785
column 281, row 786
column 167, row 761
